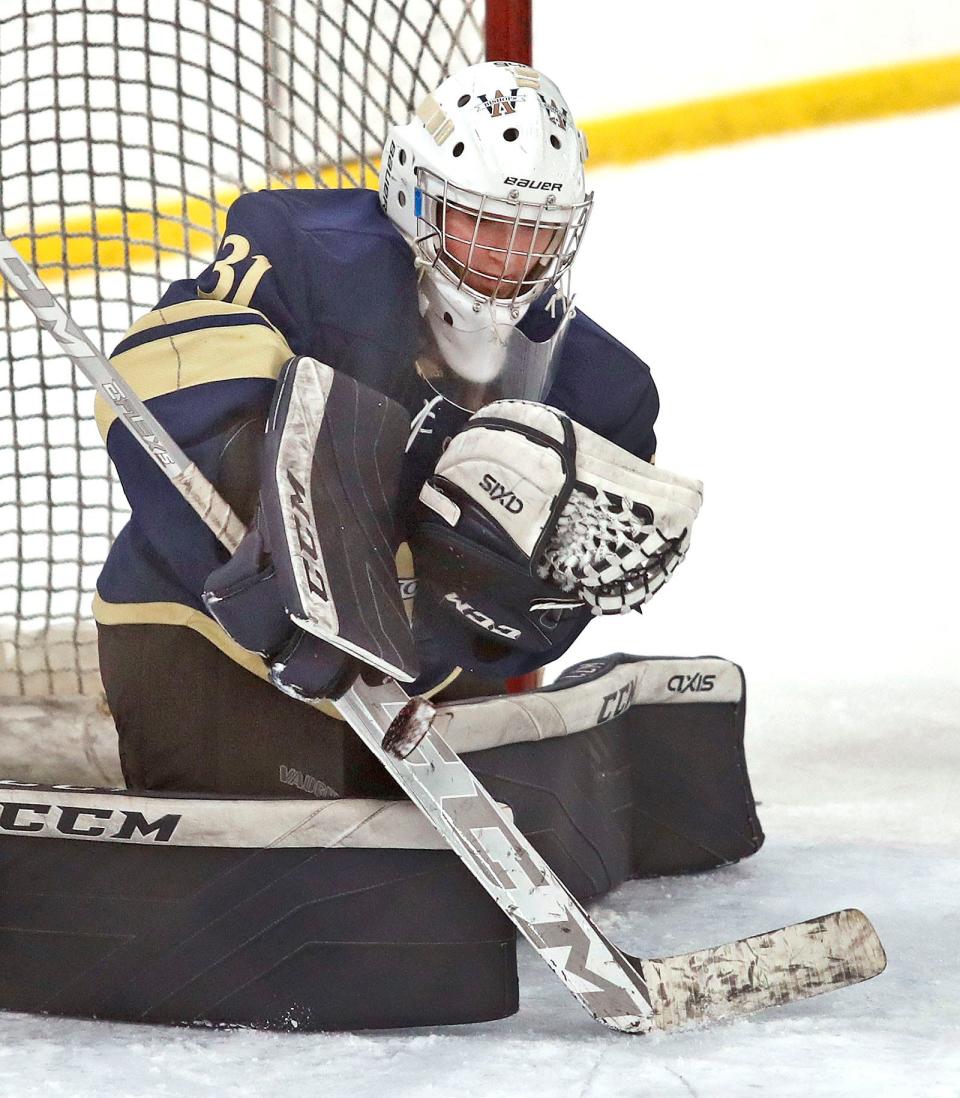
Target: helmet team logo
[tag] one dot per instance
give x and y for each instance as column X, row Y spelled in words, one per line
column 499, row 104
column 557, row 114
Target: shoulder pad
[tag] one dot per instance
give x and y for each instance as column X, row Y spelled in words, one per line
column 338, row 280
column 604, row 386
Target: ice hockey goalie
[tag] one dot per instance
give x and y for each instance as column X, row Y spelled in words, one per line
column 459, row 426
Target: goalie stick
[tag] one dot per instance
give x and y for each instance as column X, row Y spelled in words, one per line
column 625, row 993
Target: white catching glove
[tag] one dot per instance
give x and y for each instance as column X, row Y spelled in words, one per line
column 590, row 517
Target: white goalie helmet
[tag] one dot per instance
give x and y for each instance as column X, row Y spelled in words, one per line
column 486, row 182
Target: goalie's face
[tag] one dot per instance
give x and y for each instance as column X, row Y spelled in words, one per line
column 497, row 257
column 507, row 251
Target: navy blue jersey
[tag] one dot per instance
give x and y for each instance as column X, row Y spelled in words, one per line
column 314, row 272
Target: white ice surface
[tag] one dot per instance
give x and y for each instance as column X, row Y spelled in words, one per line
column 798, row 300
column 856, row 791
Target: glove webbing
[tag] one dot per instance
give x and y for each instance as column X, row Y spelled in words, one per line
column 609, row 550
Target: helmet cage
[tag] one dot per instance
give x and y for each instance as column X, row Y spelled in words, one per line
column 543, row 262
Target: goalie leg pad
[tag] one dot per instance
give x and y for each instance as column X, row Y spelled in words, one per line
column 624, row 767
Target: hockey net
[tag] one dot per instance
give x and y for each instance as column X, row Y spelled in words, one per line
column 126, row 129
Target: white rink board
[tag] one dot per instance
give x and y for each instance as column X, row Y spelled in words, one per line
column 612, row 57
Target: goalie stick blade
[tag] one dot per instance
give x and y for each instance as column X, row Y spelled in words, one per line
column 624, row 993
column 765, row 970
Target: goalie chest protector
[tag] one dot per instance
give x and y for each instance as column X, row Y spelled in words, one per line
column 318, row 273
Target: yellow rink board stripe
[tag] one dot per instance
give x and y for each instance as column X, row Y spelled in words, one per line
column 825, row 101
column 177, row 225
column 118, row 240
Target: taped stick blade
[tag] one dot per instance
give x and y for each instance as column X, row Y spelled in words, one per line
column 782, row 966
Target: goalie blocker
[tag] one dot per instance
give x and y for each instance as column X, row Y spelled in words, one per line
column 246, row 910
column 313, row 585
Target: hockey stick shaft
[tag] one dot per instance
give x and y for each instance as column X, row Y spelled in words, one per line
column 432, row 774
column 135, row 416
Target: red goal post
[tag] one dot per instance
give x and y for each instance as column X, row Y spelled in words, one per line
column 509, row 31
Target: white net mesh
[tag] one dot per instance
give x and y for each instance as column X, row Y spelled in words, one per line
column 126, row 129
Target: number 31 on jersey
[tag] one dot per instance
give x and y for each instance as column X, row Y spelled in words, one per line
column 225, row 267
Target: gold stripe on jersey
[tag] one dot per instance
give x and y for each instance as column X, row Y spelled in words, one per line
column 406, row 577
column 192, row 310
column 174, row 613
column 214, row 352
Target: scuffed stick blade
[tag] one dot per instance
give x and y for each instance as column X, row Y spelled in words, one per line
column 795, row 962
